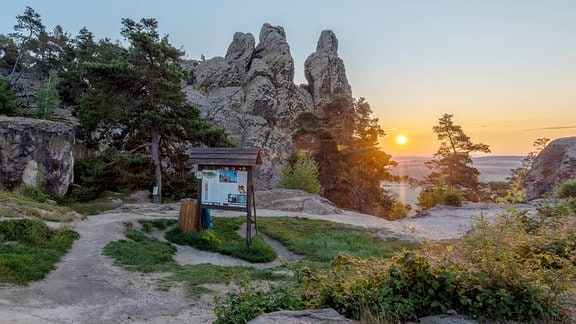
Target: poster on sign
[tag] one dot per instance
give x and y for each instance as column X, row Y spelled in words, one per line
column 224, row 187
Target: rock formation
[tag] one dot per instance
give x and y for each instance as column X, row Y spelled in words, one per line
column 325, row 72
column 36, row 153
column 556, row 162
column 251, row 92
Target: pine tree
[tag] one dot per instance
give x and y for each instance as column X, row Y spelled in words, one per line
column 452, row 166
column 135, row 101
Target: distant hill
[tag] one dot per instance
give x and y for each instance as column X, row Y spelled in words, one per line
column 492, row 168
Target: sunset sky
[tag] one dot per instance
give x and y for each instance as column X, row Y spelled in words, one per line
column 505, row 69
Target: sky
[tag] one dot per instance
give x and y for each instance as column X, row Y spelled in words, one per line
column 505, row 69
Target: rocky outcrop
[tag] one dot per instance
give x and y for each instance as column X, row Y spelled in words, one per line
column 36, row 153
column 251, row 92
column 325, row 72
column 327, row 316
column 555, row 163
column 296, row 201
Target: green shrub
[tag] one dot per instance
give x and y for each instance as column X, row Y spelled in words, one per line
column 7, row 105
column 303, row 175
column 399, row 211
column 112, row 171
column 35, row 194
column 566, row 189
column 439, row 195
column 241, row 307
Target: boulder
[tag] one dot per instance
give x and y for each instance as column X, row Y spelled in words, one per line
column 554, row 164
column 296, row 201
column 36, row 152
column 316, row 316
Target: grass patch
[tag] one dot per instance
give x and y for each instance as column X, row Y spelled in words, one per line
column 161, row 224
column 147, row 254
column 224, row 239
column 197, row 275
column 108, row 201
column 16, row 205
column 29, row 249
column 141, row 253
column 322, row 241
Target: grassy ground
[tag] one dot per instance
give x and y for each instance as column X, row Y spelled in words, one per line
column 319, row 241
column 224, row 239
column 147, row 254
column 322, row 240
column 15, row 205
column 29, row 249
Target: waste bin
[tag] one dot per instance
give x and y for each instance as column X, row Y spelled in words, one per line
column 187, row 219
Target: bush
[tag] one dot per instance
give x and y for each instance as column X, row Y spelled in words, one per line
column 434, row 196
column 399, row 211
column 111, row 171
column 7, row 105
column 566, row 189
column 302, row 175
column 241, row 307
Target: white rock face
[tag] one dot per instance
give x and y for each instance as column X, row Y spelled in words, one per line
column 556, row 162
column 251, row 92
column 31, row 149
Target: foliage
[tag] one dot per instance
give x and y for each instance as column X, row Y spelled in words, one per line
column 134, row 100
column 223, row 238
column 7, row 105
column 302, row 175
column 178, row 187
column 141, row 253
column 506, row 270
column 320, row 240
column 196, row 276
column 566, row 189
column 113, row 171
column 452, row 163
column 161, row 224
column 439, row 195
column 344, row 142
column 29, row 249
column 249, row 303
column 399, row 211
column 47, row 97
column 517, row 175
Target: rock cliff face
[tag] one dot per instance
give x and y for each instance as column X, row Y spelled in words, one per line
column 556, row 162
column 251, row 92
column 33, row 151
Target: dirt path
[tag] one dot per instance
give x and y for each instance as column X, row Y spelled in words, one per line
column 87, row 288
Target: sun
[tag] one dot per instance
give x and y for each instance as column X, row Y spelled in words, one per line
column 401, row 139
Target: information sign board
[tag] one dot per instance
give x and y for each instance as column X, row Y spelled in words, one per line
column 224, row 186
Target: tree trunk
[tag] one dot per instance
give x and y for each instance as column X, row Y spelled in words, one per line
column 156, row 158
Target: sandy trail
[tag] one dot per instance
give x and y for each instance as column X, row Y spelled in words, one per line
column 87, row 288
